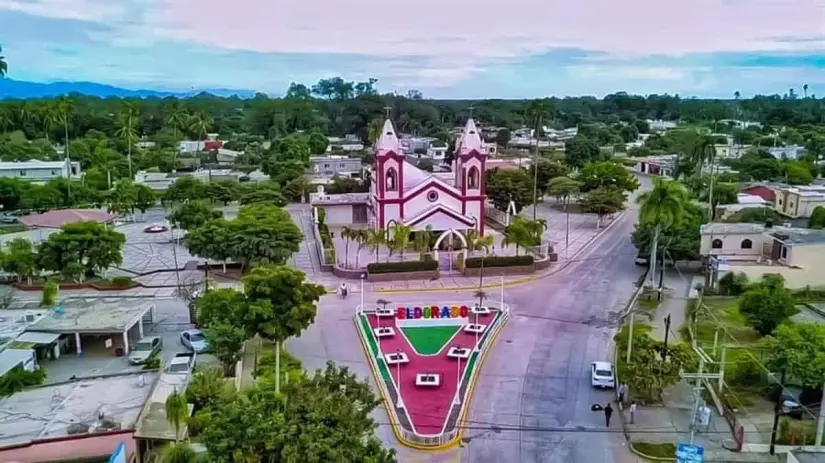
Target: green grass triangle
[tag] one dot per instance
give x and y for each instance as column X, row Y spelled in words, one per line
column 429, row 340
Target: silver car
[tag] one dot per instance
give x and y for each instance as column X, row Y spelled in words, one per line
column 145, row 348
column 194, row 340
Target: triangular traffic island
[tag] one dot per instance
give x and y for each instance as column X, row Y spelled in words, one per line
column 426, row 358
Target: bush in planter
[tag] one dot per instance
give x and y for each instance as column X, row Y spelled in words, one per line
column 121, row 282
column 49, row 293
column 499, row 261
column 400, row 267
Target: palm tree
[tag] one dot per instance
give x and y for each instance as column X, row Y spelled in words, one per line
column 4, row 67
column 200, row 123
column 476, row 241
column 127, row 120
column 374, row 130
column 47, row 117
column 400, row 239
column 736, row 95
column 481, row 295
column 176, row 117
column 805, row 90
column 64, row 109
column 663, row 207
column 360, row 239
column 177, row 411
column 537, row 112
column 422, row 241
column 348, row 234
column 374, row 240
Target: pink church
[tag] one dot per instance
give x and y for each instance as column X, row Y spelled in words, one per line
column 448, row 203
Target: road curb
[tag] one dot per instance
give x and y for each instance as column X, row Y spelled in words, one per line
column 646, row 456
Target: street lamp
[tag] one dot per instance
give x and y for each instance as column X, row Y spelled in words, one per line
column 456, row 399
column 361, row 307
column 399, row 403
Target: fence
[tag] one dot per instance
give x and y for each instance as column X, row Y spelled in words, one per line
column 500, row 217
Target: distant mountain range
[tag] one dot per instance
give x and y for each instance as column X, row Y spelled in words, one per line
column 10, row 88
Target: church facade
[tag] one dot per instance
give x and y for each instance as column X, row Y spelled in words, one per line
column 448, row 203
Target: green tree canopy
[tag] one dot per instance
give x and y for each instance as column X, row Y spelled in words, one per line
column 81, row 249
column 193, row 214
column 323, row 417
column 799, row 350
column 606, row 174
column 504, row 185
column 767, row 304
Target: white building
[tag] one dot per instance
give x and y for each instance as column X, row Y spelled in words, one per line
column 40, row 171
column 659, row 125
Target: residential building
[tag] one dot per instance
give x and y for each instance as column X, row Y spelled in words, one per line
column 798, row 254
column 657, row 165
column 58, row 218
column 40, row 171
column 799, row 201
column 437, row 151
column 87, row 423
column 743, row 201
column 349, row 143
column 161, row 181
column 786, row 152
column 766, row 191
column 561, row 135
column 225, row 156
column 324, row 168
column 659, row 125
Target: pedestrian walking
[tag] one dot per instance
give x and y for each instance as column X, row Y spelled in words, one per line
column 621, row 391
column 632, row 412
column 608, row 412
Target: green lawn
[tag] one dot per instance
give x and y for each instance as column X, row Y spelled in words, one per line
column 430, row 339
column 13, row 228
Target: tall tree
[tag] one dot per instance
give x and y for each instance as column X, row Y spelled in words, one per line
column 538, row 112
column 662, row 207
column 127, row 122
column 65, row 110
column 81, row 249
column 193, row 214
column 281, row 305
column 177, row 411
column 603, row 201
column 4, row 67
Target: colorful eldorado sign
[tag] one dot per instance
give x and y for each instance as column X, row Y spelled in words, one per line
column 414, row 313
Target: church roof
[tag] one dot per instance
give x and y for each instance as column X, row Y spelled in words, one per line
column 387, row 140
column 470, row 140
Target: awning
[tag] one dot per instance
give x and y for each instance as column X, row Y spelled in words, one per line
column 38, row 337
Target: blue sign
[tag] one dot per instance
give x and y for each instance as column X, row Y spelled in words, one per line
column 689, row 453
column 119, row 456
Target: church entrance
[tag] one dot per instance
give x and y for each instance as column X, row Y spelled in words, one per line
column 448, row 246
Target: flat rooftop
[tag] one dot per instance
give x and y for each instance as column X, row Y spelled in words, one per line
column 152, row 423
column 47, row 412
column 93, row 316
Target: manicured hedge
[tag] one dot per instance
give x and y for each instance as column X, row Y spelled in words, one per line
column 499, row 261
column 399, row 267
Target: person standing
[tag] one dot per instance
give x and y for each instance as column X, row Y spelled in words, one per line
column 608, row 412
column 621, row 392
column 632, row 412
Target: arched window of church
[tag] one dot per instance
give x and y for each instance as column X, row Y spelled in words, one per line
column 472, row 179
column 392, row 179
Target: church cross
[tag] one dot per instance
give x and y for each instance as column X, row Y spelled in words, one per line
column 388, row 109
column 470, row 110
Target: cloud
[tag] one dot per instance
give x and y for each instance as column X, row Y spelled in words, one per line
column 466, row 29
column 96, row 11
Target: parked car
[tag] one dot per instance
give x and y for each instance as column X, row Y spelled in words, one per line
column 791, row 399
column 183, row 363
column 145, row 348
column 5, row 218
column 602, row 375
column 643, row 259
column 194, row 340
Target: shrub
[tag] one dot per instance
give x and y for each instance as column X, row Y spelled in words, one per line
column 121, row 282
column 152, row 363
column 399, row 267
column 499, row 261
column 655, row 449
column 49, row 293
column 733, row 284
column 18, row 379
column 266, row 364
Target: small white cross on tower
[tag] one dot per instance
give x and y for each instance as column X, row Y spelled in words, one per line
column 470, row 110
column 388, row 109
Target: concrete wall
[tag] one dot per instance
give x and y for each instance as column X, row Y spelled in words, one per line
column 496, row 271
column 795, row 278
column 810, row 257
column 732, row 246
column 338, row 214
column 425, row 275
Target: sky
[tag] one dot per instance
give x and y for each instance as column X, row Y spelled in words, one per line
column 443, row 48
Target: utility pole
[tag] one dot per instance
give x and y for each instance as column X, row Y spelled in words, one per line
column 630, row 337
column 776, row 412
column 667, row 332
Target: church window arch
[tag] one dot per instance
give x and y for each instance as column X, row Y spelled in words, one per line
column 473, row 178
column 392, row 179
